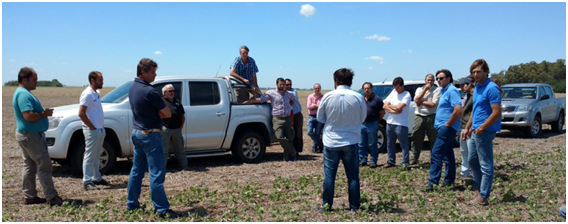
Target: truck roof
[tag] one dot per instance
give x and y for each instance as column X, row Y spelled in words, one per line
column 406, row 82
column 525, row 85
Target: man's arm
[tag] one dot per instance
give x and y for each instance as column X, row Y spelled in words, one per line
column 165, row 113
column 251, row 101
column 381, row 115
column 182, row 120
column 255, row 83
column 495, row 114
column 234, row 74
column 31, row 116
column 398, row 108
column 84, row 118
column 455, row 116
column 387, row 107
column 419, row 96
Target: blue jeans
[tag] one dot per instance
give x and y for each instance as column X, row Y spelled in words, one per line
column 314, row 131
column 481, row 161
column 331, row 157
column 94, row 140
column 443, row 150
column 148, row 155
column 464, row 149
column 563, row 212
column 401, row 133
column 368, row 142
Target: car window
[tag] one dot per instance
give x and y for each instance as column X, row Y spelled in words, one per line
column 177, row 89
column 541, row 92
column 549, row 91
column 119, row 94
column 204, row 93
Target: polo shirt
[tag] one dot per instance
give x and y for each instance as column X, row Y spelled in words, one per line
column 145, row 103
column 342, row 110
column 485, row 95
column 297, row 107
column 22, row 101
column 374, row 107
column 92, row 100
column 245, row 70
column 448, row 100
column 178, row 112
column 280, row 102
column 396, row 99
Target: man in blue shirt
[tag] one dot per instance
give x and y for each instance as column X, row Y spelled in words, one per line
column 298, row 122
column 148, row 110
column 485, row 122
column 342, row 110
column 447, row 123
column 244, row 68
column 370, row 127
column 31, row 123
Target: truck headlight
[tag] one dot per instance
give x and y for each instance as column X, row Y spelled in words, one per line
column 524, row 108
column 54, row 122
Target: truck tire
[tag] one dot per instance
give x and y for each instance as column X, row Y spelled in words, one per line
column 248, row 147
column 106, row 162
column 559, row 123
column 535, row 129
column 382, row 139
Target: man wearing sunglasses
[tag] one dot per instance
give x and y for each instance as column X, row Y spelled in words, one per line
column 298, row 121
column 173, row 126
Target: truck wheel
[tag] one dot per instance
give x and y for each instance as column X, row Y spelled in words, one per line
column 535, row 129
column 557, row 125
column 382, row 139
column 249, row 147
column 106, row 162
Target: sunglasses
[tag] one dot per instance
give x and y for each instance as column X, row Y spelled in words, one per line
column 441, row 78
column 169, row 91
column 288, row 84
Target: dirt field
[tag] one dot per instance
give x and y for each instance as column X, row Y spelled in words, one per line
column 530, row 184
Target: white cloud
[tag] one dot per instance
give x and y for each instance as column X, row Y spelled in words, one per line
column 12, row 60
column 307, row 10
column 378, row 38
column 125, row 70
column 375, row 58
column 408, row 51
column 369, row 68
column 158, row 53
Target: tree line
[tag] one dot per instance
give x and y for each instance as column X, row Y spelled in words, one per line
column 43, row 83
column 552, row 73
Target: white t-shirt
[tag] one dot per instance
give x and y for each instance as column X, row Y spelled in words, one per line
column 396, row 99
column 91, row 99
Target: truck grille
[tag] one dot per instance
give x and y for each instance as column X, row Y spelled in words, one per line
column 508, row 109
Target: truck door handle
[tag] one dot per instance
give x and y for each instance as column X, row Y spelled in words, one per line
column 220, row 113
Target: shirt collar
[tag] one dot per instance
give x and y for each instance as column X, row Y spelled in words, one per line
column 342, row 87
column 139, row 80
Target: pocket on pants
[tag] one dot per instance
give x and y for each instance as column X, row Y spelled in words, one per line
column 21, row 137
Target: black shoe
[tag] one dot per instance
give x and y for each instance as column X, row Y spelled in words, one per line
column 168, row 214
column 55, row 201
column 362, row 163
column 373, row 165
column 35, row 200
column 291, row 159
column 101, row 182
column 428, row 188
column 389, row 165
column 90, row 187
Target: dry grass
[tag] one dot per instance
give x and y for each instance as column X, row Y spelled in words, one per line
column 529, row 185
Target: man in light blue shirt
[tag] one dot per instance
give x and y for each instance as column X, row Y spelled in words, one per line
column 298, row 121
column 342, row 110
column 447, row 123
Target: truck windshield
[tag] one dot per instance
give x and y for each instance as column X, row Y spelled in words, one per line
column 382, row 91
column 119, row 94
column 519, row 92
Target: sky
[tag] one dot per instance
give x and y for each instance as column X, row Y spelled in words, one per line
column 305, row 42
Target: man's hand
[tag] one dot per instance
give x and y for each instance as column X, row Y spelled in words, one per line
column 478, row 131
column 246, row 81
column 314, row 105
column 48, row 112
column 466, row 134
column 427, row 87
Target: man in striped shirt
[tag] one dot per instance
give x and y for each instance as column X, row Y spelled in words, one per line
column 281, row 101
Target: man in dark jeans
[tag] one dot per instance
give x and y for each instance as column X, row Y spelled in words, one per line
column 298, row 122
column 340, row 137
column 148, row 110
column 370, row 127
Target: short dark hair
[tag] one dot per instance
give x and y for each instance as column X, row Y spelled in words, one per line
column 363, row 86
column 398, row 81
column 280, row 79
column 343, row 76
column 448, row 74
column 482, row 63
column 244, row 47
column 145, row 64
column 93, row 76
column 25, row 73
column 287, row 79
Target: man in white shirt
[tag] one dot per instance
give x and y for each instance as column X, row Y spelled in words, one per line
column 426, row 99
column 342, row 110
column 91, row 114
column 396, row 104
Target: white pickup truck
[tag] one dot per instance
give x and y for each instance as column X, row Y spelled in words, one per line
column 215, row 124
column 527, row 106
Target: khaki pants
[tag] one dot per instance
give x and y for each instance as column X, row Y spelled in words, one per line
column 242, row 94
column 422, row 124
column 285, row 134
column 36, row 161
column 173, row 138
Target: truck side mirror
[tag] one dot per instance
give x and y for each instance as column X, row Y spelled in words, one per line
column 545, row 97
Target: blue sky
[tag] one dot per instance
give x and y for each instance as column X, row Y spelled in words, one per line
column 379, row 41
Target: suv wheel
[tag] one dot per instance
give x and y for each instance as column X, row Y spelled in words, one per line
column 535, row 129
column 382, row 139
column 107, row 158
column 558, row 124
column 249, row 147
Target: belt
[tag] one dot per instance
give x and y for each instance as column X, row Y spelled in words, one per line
column 149, row 131
column 364, row 122
column 281, row 116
